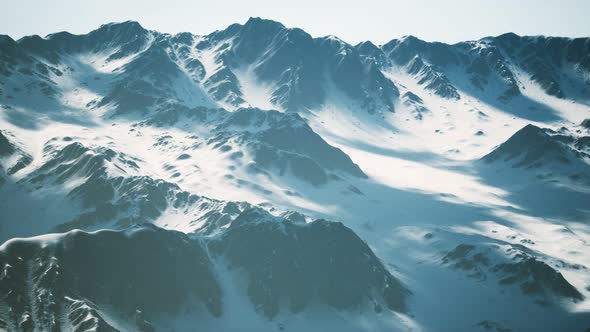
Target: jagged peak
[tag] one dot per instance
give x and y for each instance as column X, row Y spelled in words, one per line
column 6, row 146
column 333, row 39
column 8, row 47
column 30, row 39
column 390, row 45
column 184, row 37
column 262, row 23
column 121, row 31
column 334, row 42
column 131, row 25
column 59, row 35
column 256, row 33
column 508, row 35
column 35, row 44
column 410, row 39
column 514, row 37
column 253, row 216
column 118, row 32
column 367, row 46
column 245, row 116
column 297, row 34
column 6, row 39
column 531, row 129
column 534, row 144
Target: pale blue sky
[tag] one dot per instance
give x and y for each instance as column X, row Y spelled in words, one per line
column 353, row 21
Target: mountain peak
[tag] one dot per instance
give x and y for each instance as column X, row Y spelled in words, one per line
column 126, row 29
column 5, row 39
column 406, row 41
column 531, row 129
column 129, row 24
column 410, row 39
column 531, row 147
column 367, row 47
column 7, row 42
column 263, row 23
column 34, row 43
column 508, row 35
column 509, row 38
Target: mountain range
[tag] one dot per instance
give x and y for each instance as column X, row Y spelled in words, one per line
column 261, row 179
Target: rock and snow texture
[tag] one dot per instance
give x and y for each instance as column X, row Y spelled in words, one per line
column 464, row 169
column 48, row 282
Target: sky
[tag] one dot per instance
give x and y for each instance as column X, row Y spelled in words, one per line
column 353, row 21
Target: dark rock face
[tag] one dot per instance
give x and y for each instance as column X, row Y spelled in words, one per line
column 9, row 55
column 530, row 146
column 536, row 277
column 298, row 263
column 533, row 276
column 147, row 272
column 224, row 86
column 462, row 257
column 160, row 268
column 489, row 64
column 287, row 58
column 169, row 115
column 287, row 143
column 432, row 78
column 82, row 317
column 113, row 198
column 415, row 103
column 6, row 148
column 149, row 269
column 533, row 147
column 489, row 325
column 9, row 149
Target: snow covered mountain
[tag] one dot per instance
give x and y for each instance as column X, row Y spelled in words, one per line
column 145, row 271
column 151, row 181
